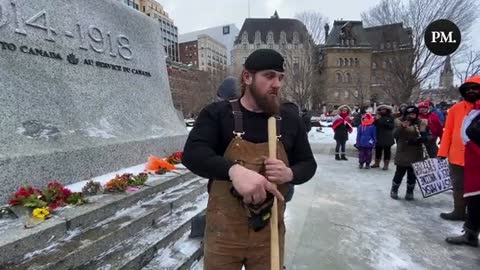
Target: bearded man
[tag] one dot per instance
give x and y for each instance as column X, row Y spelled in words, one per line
column 229, row 146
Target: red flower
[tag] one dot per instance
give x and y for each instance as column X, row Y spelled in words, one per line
column 66, row 193
column 53, row 206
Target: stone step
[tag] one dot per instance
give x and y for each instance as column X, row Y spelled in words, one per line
column 180, row 255
column 80, row 248
column 139, row 250
column 20, row 245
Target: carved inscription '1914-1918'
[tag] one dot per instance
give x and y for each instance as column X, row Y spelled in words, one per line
column 91, row 37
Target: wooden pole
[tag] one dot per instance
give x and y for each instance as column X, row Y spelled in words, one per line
column 274, row 241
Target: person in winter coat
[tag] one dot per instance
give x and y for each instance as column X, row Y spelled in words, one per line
column 410, row 133
column 471, row 140
column 401, row 110
column 452, row 147
column 366, row 139
column 342, row 125
column 437, row 111
column 434, row 125
column 385, row 123
column 228, row 89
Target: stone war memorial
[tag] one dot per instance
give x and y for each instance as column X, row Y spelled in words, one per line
column 83, row 91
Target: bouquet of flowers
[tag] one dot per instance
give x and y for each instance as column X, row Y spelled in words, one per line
column 175, row 158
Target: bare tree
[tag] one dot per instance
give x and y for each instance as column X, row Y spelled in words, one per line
column 302, row 75
column 314, row 21
column 411, row 72
column 469, row 67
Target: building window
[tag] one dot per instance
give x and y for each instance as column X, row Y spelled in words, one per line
column 357, row 63
column 352, row 42
column 351, row 62
column 388, row 44
column 270, row 37
column 338, row 77
column 394, row 44
column 341, row 62
column 382, row 46
column 226, row 30
column 337, row 94
column 346, row 62
column 385, row 64
column 258, row 37
column 348, row 78
column 374, row 65
column 346, row 94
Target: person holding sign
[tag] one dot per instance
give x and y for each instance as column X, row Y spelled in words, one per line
column 471, row 138
column 434, row 125
column 452, row 147
column 410, row 133
column 229, row 146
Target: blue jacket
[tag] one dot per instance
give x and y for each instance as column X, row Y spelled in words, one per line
column 366, row 136
column 440, row 115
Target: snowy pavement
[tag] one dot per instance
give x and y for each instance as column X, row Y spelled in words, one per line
column 344, row 219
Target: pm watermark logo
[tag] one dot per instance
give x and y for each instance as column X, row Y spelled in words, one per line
column 442, row 37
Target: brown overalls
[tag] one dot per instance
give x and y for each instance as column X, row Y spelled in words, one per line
column 229, row 242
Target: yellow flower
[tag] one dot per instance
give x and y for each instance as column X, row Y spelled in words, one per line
column 41, row 213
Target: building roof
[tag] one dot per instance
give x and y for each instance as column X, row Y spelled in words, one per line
column 214, row 32
column 388, row 33
column 357, row 30
column 369, row 36
column 274, row 24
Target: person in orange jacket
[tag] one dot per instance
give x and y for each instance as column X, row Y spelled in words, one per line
column 452, row 146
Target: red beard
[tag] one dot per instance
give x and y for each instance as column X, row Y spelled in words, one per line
column 269, row 102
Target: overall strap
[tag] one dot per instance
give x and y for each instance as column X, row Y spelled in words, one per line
column 237, row 118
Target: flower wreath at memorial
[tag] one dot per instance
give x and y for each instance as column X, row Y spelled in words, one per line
column 40, row 204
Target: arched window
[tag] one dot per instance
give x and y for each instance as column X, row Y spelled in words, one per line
column 351, row 61
column 348, row 78
column 346, row 62
column 258, row 37
column 337, row 94
column 346, row 94
column 341, row 62
column 270, row 37
column 338, row 77
column 357, row 63
column 245, row 37
column 338, row 63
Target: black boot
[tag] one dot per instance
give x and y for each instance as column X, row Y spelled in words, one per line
column 409, row 194
column 360, row 166
column 469, row 238
column 394, row 191
column 459, row 209
column 367, row 166
column 337, row 157
column 344, row 157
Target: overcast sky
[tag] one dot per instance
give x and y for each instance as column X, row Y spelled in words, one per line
column 191, row 15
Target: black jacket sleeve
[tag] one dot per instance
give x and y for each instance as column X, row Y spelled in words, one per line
column 302, row 162
column 199, row 154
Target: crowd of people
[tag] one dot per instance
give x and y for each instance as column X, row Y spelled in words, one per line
column 417, row 130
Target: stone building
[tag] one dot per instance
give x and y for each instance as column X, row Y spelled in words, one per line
column 205, row 53
column 289, row 37
column 168, row 29
column 445, row 91
column 225, row 34
column 357, row 62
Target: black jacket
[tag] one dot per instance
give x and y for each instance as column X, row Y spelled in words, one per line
column 213, row 131
column 385, row 126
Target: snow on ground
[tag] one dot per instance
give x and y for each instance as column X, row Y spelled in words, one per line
column 325, row 136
